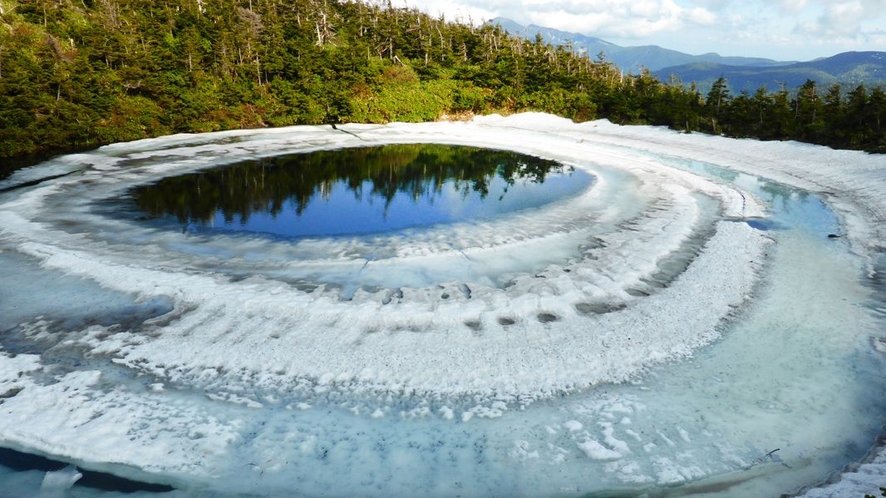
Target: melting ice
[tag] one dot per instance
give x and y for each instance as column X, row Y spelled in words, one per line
column 681, row 325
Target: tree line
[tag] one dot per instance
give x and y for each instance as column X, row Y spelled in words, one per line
column 835, row 117
column 77, row 74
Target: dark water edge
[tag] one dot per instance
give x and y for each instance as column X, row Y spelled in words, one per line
column 852, row 467
column 9, row 165
column 19, row 461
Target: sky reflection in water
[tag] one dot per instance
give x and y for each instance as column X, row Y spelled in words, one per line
column 360, row 190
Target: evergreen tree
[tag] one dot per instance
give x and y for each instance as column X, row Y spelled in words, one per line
column 81, row 74
column 807, row 108
column 717, row 103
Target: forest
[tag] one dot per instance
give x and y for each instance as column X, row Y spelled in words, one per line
column 77, row 74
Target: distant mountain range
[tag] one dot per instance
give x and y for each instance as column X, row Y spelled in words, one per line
column 743, row 73
column 849, row 69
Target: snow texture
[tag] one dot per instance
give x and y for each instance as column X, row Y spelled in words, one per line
column 244, row 356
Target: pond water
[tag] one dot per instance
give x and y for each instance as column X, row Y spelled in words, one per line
column 600, row 322
column 360, row 190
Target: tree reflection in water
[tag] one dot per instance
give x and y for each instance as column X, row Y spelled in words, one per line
column 273, row 186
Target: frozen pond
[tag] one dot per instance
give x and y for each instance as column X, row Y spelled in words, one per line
column 677, row 315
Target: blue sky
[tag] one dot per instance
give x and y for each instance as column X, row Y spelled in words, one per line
column 777, row 29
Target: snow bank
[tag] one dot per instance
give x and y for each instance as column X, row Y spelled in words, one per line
column 451, row 328
column 289, row 337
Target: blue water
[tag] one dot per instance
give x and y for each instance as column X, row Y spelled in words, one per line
column 787, row 207
column 359, row 191
column 341, row 212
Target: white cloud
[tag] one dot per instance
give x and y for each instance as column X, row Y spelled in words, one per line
column 847, row 25
column 792, row 6
column 839, row 19
column 618, row 18
column 463, row 11
column 702, row 17
column 786, row 29
column 621, row 18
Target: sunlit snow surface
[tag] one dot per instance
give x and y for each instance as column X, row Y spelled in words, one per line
column 683, row 325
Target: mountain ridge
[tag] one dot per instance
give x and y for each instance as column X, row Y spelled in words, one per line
column 629, row 59
column 848, row 69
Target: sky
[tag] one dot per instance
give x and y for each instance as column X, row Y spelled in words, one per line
column 777, row 29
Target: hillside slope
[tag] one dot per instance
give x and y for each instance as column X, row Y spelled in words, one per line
column 849, row 69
